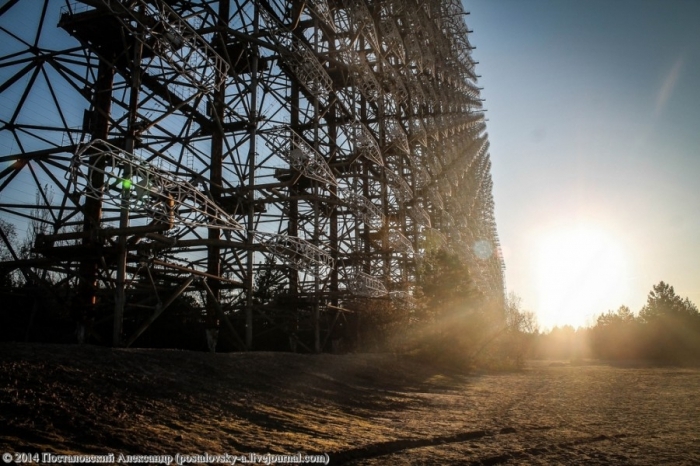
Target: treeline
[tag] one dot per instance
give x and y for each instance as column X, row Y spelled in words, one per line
column 666, row 330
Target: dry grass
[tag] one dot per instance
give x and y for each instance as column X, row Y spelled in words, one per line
column 360, row 409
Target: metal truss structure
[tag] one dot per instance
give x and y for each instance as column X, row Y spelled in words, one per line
column 201, row 148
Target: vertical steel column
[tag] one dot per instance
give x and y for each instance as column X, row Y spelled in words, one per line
column 215, row 187
column 333, row 233
column 252, row 149
column 129, row 144
column 92, row 210
column 316, row 237
column 293, row 227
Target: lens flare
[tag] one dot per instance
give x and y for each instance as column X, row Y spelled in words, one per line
column 483, row 249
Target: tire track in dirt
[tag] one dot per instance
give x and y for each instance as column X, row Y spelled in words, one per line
column 381, row 449
column 541, row 450
column 375, row 450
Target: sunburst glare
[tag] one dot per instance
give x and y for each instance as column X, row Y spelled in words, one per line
column 580, row 272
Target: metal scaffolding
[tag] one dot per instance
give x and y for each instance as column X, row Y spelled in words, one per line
column 193, row 148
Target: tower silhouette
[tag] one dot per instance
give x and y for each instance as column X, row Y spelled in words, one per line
column 277, row 163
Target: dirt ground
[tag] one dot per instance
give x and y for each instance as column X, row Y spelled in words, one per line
column 361, row 409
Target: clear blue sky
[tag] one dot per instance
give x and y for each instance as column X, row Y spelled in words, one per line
column 594, row 119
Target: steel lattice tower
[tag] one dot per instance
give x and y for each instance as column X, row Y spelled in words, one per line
column 221, row 149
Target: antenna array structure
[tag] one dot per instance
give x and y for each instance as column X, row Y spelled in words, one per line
column 223, row 149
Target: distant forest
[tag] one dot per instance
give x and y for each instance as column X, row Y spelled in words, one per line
column 666, row 330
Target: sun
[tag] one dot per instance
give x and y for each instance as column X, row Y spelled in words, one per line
column 580, row 272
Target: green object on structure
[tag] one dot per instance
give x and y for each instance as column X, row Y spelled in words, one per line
column 126, row 184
